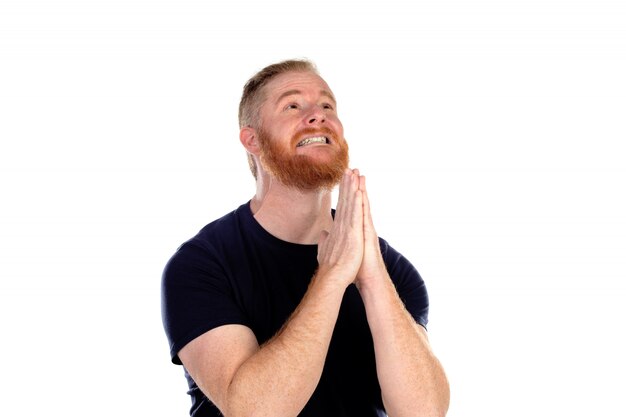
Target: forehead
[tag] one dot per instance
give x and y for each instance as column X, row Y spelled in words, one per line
column 304, row 82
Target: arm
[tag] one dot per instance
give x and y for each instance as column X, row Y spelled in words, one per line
column 412, row 380
column 278, row 378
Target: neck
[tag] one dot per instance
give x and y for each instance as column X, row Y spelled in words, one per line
column 290, row 214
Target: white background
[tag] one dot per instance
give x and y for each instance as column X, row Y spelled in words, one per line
column 490, row 132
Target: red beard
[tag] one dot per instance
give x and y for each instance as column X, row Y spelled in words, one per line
column 302, row 171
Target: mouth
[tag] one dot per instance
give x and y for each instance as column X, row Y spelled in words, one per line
column 313, row 140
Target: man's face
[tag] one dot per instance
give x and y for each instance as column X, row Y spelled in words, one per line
column 301, row 136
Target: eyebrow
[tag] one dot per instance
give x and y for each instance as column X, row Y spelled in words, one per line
column 295, row 92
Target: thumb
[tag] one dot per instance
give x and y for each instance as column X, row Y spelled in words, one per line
column 323, row 236
column 320, row 244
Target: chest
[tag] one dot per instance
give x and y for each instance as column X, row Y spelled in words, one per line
column 270, row 284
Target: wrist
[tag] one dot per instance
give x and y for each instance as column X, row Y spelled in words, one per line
column 375, row 284
column 334, row 277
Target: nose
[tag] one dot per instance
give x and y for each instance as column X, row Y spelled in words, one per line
column 316, row 115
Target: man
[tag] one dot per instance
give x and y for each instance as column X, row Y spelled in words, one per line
column 285, row 307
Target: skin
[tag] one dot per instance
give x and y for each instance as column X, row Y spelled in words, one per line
column 277, row 379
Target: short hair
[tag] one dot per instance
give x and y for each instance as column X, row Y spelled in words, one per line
column 253, row 95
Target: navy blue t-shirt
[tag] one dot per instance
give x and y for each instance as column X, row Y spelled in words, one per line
column 235, row 272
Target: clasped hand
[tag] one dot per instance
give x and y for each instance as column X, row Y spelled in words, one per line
column 351, row 249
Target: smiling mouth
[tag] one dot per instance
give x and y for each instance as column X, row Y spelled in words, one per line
column 316, row 139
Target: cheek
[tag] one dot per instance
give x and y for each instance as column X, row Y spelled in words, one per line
column 338, row 126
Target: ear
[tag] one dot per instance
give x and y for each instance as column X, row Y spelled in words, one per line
column 248, row 138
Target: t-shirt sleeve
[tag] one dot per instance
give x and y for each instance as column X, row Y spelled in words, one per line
column 196, row 296
column 408, row 282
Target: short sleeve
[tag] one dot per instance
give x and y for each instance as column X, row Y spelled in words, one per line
column 409, row 284
column 196, row 296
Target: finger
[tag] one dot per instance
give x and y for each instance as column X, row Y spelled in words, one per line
column 357, row 210
column 368, row 223
column 343, row 192
column 322, row 239
column 349, row 188
column 356, row 201
column 320, row 244
column 362, row 183
column 366, row 203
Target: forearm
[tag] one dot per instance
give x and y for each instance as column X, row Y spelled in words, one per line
column 412, row 380
column 279, row 379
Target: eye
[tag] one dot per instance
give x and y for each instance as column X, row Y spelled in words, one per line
column 327, row 106
column 292, row 106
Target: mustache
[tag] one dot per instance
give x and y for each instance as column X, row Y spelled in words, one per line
column 310, row 131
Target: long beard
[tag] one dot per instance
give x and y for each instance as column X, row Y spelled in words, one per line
column 302, row 171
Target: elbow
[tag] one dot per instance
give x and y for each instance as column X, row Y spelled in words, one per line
column 434, row 405
column 438, row 396
column 443, row 400
column 429, row 403
column 438, row 408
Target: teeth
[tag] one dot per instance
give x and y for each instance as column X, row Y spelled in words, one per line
column 318, row 139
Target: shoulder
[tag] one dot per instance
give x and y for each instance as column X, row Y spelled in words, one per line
column 398, row 265
column 219, row 232
column 197, row 288
column 392, row 257
column 206, row 251
column 408, row 282
column 224, row 228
